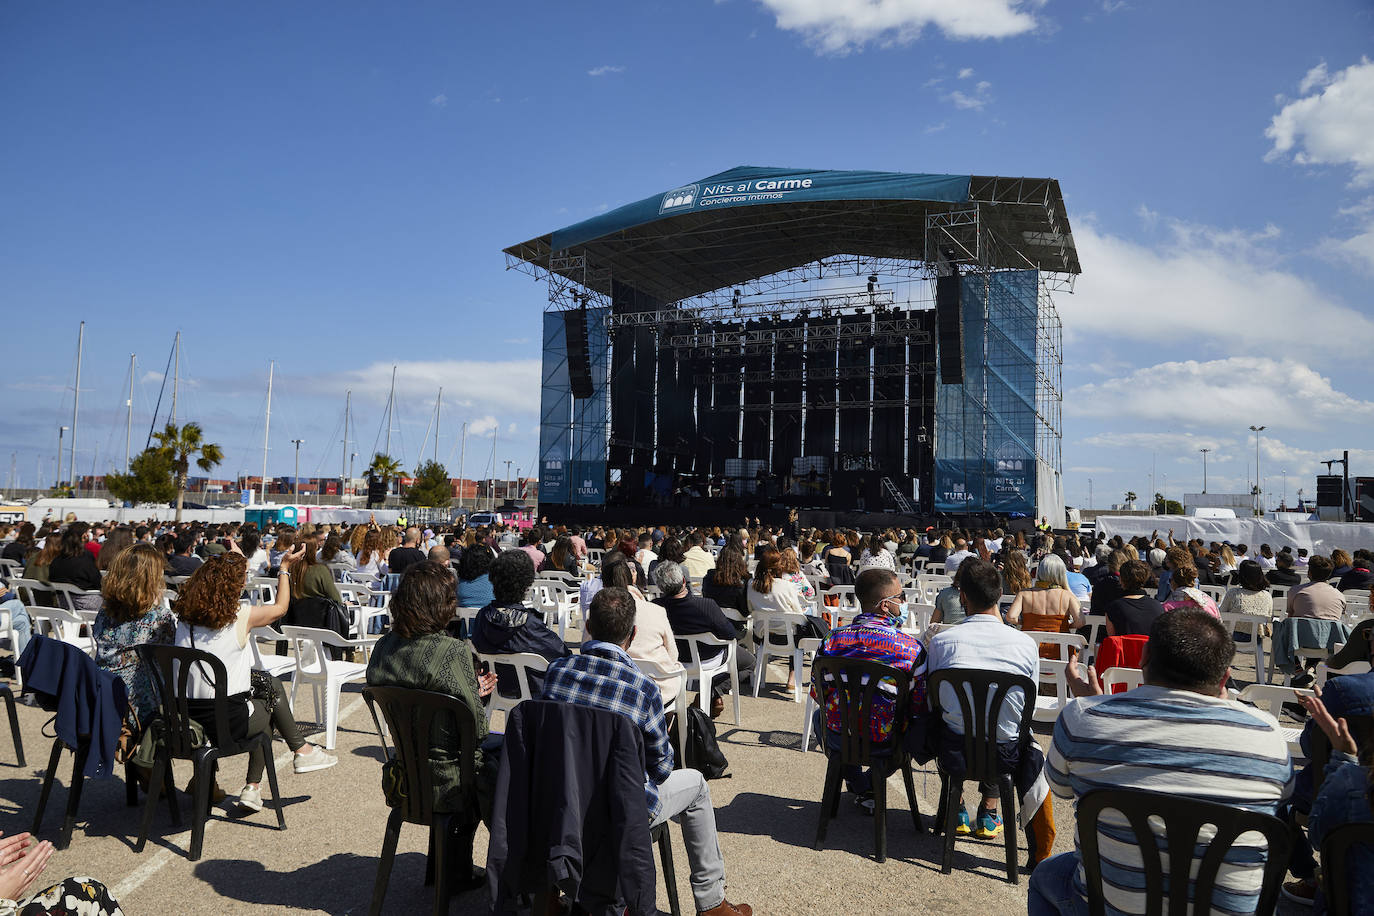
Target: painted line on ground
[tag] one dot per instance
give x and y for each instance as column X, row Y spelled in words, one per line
column 139, row 876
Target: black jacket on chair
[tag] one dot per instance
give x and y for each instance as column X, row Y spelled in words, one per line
column 570, row 810
column 87, row 701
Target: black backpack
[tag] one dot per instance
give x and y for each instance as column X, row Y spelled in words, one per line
column 703, row 751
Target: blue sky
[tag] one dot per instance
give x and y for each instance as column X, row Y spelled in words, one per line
column 330, row 186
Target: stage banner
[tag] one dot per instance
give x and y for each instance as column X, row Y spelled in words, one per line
column 553, row 481
column 555, row 413
column 750, row 186
column 1004, row 484
column 588, row 483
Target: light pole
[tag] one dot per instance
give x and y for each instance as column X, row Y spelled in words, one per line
column 507, row 480
column 61, row 431
column 1204, row 467
column 1283, row 503
column 350, row 472
column 296, row 481
column 1259, row 494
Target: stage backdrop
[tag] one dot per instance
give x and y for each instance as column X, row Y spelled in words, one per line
column 573, row 432
column 985, row 427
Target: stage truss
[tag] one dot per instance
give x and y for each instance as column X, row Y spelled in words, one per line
column 976, row 240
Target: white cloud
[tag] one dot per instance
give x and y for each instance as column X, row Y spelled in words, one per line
column 1161, row 441
column 1237, row 390
column 499, row 387
column 1357, row 251
column 604, row 70
column 439, row 101
column 482, row 427
column 1332, row 126
column 936, row 128
column 1112, row 6
column 1214, row 291
column 841, row 26
column 966, row 73
column 975, row 100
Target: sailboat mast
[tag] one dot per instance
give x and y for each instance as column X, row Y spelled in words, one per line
column 438, row 405
column 76, row 398
column 462, row 460
column 267, row 428
column 390, row 404
column 129, row 425
column 176, row 374
column 343, row 455
column 491, row 481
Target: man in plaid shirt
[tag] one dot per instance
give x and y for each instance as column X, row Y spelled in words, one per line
column 874, row 636
column 605, row 677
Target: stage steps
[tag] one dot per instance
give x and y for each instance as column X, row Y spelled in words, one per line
column 891, row 492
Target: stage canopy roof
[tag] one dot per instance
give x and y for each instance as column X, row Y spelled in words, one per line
column 750, row 222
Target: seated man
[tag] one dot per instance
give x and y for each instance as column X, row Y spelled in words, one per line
column 604, row 676
column 874, row 636
column 1359, row 574
column 1177, row 734
column 689, row 615
column 983, row 641
column 508, row 627
column 1318, row 598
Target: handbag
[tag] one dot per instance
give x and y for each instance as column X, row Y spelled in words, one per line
column 260, row 688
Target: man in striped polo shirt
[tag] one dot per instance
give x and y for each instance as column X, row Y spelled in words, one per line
column 1176, row 734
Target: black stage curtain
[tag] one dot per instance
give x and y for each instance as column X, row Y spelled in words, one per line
column 725, row 395
column 702, row 367
column 646, row 351
column 758, row 359
column 855, row 353
column 787, row 424
column 889, row 423
column 921, row 406
column 820, row 387
column 622, row 394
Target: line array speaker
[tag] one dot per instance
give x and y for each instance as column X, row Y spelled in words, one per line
column 579, row 360
column 1329, row 490
column 949, row 330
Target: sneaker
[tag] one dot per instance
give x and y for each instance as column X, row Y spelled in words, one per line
column 964, row 828
column 1300, row 891
column 250, row 797
column 314, row 759
column 989, row 825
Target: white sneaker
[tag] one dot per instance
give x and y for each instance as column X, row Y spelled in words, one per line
column 250, row 797
column 315, row 759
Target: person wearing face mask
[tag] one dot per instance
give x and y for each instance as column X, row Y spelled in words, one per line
column 875, row 636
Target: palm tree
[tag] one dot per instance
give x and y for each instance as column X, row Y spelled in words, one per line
column 1130, row 497
column 384, row 468
column 184, row 445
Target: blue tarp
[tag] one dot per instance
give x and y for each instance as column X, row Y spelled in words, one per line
column 750, row 186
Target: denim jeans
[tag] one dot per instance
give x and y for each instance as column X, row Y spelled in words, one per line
column 20, row 622
column 1051, row 888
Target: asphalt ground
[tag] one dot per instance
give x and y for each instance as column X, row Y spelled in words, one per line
column 326, row 859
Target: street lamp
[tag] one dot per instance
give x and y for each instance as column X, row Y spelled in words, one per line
column 1204, row 467
column 296, row 482
column 1259, row 495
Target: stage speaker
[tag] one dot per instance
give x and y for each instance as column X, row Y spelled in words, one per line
column 579, row 360
column 376, row 491
column 1329, row 490
column 949, row 330
column 1364, row 499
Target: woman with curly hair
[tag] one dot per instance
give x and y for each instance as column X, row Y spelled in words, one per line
column 134, row 613
column 1182, row 584
column 371, row 558
column 211, row 619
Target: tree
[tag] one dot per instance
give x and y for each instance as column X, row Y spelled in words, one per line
column 1164, row 506
column 1130, row 497
column 383, row 468
column 149, row 479
column 431, row 486
column 183, row 445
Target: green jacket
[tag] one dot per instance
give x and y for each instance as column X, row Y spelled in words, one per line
column 440, row 663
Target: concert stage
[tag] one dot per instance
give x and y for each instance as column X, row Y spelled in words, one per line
column 828, row 340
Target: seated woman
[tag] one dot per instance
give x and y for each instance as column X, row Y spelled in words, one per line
column 653, row 637
column 1183, row 590
column 21, row 865
column 726, row 583
column 1251, row 596
column 563, row 558
column 74, row 565
column 313, row 594
column 507, row 627
column 134, row 613
column 770, row 591
column 419, row 654
column 371, row 560
column 1049, row 607
column 333, row 553
column 948, row 607
column 210, row 619
column 791, row 568
column 474, row 583
column 1135, row 612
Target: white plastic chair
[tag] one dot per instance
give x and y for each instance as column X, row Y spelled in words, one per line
column 918, row 615
column 61, row 624
column 1271, row 698
column 657, row 672
column 1323, row 672
column 1252, row 626
column 784, row 624
column 28, row 590
column 703, row 673
column 67, row 594
column 1062, row 641
column 812, row 645
column 325, row 677
column 1048, row 708
column 524, row 664
column 275, row 665
column 1097, row 630
column 1130, row 678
